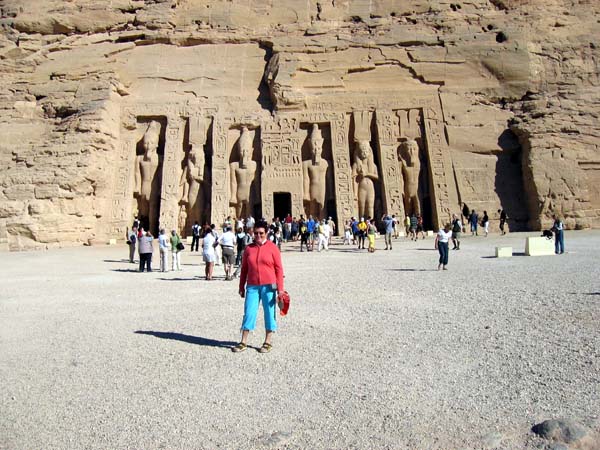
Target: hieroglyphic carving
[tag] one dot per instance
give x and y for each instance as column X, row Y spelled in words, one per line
column 281, row 163
column 120, row 208
column 344, row 200
column 440, row 167
column 391, row 176
column 220, row 173
column 171, row 172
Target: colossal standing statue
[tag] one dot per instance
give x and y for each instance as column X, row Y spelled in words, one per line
column 411, row 168
column 147, row 178
column 242, row 175
column 364, row 173
column 193, row 179
column 314, row 173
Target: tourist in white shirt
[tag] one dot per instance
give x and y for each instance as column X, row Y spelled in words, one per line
column 163, row 246
column 441, row 244
column 227, row 242
column 208, row 252
column 324, row 231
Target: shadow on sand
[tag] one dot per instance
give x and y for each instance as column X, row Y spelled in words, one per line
column 197, row 340
column 411, row 270
column 495, row 257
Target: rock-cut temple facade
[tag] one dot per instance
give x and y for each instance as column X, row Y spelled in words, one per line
column 179, row 111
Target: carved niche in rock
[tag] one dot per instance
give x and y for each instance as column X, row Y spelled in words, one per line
column 242, row 175
column 314, row 174
column 147, row 172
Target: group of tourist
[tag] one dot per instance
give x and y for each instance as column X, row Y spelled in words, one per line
column 255, row 248
column 143, row 240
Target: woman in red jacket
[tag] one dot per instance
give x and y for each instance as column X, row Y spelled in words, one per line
column 261, row 280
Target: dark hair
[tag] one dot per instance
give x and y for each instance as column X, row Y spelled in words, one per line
column 262, row 224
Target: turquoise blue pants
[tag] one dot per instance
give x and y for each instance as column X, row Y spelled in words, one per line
column 255, row 294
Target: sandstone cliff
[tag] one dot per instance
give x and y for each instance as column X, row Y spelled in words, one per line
column 516, row 81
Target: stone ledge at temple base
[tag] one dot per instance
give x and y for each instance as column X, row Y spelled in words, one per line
column 504, row 252
column 539, row 246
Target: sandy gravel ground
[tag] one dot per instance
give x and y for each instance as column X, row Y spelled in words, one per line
column 378, row 351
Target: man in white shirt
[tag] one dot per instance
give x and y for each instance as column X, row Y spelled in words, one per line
column 227, row 242
column 324, row 231
column 163, row 245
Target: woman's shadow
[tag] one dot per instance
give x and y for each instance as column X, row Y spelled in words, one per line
column 189, row 339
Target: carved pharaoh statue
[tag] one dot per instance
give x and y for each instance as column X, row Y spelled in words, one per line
column 314, row 173
column 364, row 173
column 242, row 175
column 193, row 179
column 147, row 178
column 411, row 168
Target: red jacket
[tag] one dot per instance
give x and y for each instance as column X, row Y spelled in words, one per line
column 261, row 264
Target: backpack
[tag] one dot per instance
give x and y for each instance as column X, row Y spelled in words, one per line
column 456, row 226
column 132, row 238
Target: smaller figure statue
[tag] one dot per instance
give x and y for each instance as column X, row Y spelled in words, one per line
column 147, row 178
column 411, row 168
column 242, row 175
column 314, row 173
column 364, row 174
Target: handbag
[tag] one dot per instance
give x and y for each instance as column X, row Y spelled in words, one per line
column 180, row 246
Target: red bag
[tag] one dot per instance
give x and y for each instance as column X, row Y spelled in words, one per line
column 284, row 303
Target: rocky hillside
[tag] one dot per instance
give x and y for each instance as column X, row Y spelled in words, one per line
column 517, row 80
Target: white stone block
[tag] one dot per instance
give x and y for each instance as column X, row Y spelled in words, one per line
column 504, row 252
column 401, row 234
column 539, row 246
column 430, row 233
column 189, row 239
column 112, row 242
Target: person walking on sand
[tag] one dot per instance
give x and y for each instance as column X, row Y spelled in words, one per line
column 176, row 250
column 503, row 218
column 388, row 223
column 145, row 250
column 195, row 237
column 371, row 232
column 441, row 245
column 261, row 281
column 131, row 241
column 559, row 235
column 227, row 241
column 208, row 252
column 485, row 222
column 163, row 247
column 473, row 220
column 456, row 230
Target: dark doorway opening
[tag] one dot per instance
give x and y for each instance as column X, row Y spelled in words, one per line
column 282, row 204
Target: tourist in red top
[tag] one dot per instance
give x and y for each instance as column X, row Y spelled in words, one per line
column 261, row 280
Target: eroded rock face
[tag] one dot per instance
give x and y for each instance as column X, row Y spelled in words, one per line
column 502, row 98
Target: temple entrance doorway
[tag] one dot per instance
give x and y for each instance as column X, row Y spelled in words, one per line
column 282, row 204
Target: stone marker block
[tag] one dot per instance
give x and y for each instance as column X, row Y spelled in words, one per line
column 504, row 252
column 539, row 246
column 112, row 242
column 401, row 234
column 189, row 239
column 431, row 233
